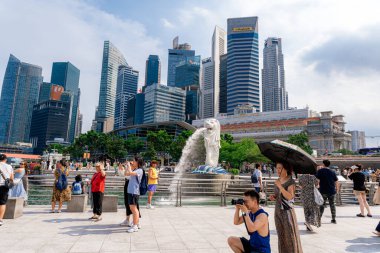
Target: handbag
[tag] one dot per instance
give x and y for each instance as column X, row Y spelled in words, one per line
column 286, row 204
column 318, row 197
column 8, row 183
column 376, row 196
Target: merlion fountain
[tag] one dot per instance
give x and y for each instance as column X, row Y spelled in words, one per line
column 202, row 148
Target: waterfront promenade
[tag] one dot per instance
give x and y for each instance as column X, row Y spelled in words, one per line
column 176, row 230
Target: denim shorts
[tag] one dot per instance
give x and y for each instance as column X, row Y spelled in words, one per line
column 152, row 187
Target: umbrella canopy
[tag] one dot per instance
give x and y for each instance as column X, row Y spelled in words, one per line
column 281, row 151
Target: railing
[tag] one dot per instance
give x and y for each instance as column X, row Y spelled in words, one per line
column 185, row 191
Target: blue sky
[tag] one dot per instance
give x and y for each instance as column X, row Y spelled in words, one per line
column 330, row 47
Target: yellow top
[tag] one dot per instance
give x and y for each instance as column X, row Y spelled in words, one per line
column 154, row 175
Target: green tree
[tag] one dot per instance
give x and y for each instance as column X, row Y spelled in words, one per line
column 302, row 141
column 58, row 148
column 160, row 141
column 244, row 151
column 345, row 151
column 134, row 145
column 227, row 137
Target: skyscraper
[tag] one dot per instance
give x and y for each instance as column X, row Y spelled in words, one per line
column 126, row 88
column 19, row 94
column 176, row 55
column 112, row 59
column 211, row 90
column 187, row 77
column 275, row 97
column 223, row 84
column 48, row 123
column 163, row 103
column 153, row 70
column 207, row 89
column 67, row 75
column 243, row 85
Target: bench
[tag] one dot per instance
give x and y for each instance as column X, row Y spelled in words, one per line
column 110, row 203
column 14, row 208
column 78, row 203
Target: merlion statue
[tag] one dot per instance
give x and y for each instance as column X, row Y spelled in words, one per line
column 202, row 147
column 212, row 141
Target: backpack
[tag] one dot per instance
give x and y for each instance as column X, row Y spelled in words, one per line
column 143, row 183
column 254, row 178
column 77, row 188
column 62, row 181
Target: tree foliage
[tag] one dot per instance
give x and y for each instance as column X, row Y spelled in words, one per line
column 178, row 144
column 239, row 152
column 302, row 141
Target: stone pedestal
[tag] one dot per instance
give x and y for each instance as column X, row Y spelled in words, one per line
column 78, row 203
column 110, row 203
column 14, row 208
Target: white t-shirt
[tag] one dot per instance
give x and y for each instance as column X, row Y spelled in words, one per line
column 7, row 170
column 258, row 174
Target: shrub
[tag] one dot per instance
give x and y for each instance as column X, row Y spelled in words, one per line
column 234, row 171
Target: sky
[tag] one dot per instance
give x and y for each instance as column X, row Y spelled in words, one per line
column 331, row 48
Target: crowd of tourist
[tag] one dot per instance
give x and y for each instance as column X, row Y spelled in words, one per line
column 315, row 191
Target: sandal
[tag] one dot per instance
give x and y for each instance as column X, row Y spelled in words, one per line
column 369, row 215
column 360, row 215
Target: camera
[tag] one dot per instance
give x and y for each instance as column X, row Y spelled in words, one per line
column 237, row 202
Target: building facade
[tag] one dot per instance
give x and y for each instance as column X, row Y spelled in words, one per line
column 127, row 81
column 135, row 110
column 177, row 55
column 207, row 89
column 275, row 97
column 358, row 140
column 112, row 59
column 67, row 75
column 223, row 84
column 48, row 123
column 19, row 94
column 164, row 103
column 243, row 63
column 152, row 70
column 326, row 132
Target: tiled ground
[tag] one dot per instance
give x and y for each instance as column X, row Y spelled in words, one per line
column 170, row 229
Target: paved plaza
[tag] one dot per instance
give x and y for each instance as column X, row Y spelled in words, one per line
column 171, row 229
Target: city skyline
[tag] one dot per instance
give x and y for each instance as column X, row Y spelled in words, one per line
column 322, row 70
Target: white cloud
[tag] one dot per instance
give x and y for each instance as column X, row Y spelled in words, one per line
column 166, row 23
column 41, row 32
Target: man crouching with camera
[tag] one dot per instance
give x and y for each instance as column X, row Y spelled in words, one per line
column 256, row 223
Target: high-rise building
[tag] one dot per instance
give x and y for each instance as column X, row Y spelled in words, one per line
column 243, row 86
column 112, row 59
column 49, row 122
column 358, row 140
column 79, row 125
column 126, row 88
column 153, row 70
column 275, row 97
column 135, row 110
column 176, row 55
column 19, row 94
column 207, row 89
column 223, row 84
column 164, row 103
column 187, row 77
column 67, row 75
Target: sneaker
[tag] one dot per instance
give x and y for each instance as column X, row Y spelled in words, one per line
column 148, row 206
column 125, row 223
column 51, row 211
column 308, row 227
column 360, row 215
column 133, row 229
column 131, row 225
column 58, row 211
column 333, row 221
column 1, row 222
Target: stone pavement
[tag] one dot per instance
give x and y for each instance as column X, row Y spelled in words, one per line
column 176, row 230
